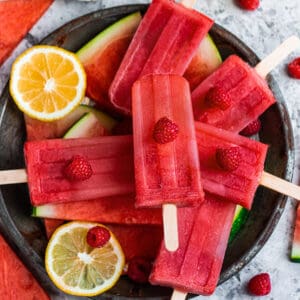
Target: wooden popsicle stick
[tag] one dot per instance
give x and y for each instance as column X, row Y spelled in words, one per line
column 170, row 227
column 280, row 53
column 13, row 176
column 280, row 185
column 178, row 295
column 188, row 3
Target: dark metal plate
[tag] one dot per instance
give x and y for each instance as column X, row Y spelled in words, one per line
column 26, row 234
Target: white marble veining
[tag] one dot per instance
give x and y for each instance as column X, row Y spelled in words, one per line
column 262, row 30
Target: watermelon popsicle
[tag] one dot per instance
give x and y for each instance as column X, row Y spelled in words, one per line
column 166, row 159
column 237, row 94
column 232, row 166
column 109, row 158
column 196, row 265
column 165, row 43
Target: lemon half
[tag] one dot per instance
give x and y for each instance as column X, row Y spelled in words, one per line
column 47, row 82
column 78, row 269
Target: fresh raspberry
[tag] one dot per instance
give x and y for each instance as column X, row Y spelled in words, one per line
column 252, row 128
column 97, row 236
column 78, row 169
column 217, row 97
column 294, row 68
column 139, row 269
column 260, row 285
column 248, row 4
column 165, row 131
column 228, row 158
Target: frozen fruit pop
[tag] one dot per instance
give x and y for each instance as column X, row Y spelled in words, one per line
column 237, row 94
column 109, row 158
column 165, row 148
column 237, row 185
column 232, row 166
column 165, row 42
column 203, row 235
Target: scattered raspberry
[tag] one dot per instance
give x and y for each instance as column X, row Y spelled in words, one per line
column 228, row 158
column 260, row 284
column 139, row 269
column 248, row 4
column 165, row 131
column 294, row 68
column 97, row 236
column 251, row 128
column 78, row 169
column 217, row 97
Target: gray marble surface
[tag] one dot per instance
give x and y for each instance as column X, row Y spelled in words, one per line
column 262, row 30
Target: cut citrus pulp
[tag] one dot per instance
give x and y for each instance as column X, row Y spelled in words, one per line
column 78, row 269
column 47, row 82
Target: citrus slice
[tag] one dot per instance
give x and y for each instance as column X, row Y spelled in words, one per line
column 78, row 269
column 47, row 82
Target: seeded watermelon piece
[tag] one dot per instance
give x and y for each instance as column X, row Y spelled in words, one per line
column 102, row 56
column 17, row 17
column 295, row 253
column 16, row 281
column 205, row 62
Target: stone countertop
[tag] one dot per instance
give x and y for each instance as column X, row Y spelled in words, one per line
column 262, row 30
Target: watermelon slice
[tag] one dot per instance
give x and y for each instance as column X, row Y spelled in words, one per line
column 17, row 17
column 87, row 126
column 295, row 253
column 38, row 130
column 239, row 219
column 138, row 240
column 205, row 62
column 102, row 56
column 16, row 281
column 51, row 225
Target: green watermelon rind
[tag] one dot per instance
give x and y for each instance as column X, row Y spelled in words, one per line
column 106, row 121
column 124, row 27
column 239, row 219
column 78, row 129
column 295, row 252
column 209, row 50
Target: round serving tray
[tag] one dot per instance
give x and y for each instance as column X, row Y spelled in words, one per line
column 26, row 234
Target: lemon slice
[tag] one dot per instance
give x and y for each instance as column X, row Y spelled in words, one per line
column 47, row 82
column 78, row 269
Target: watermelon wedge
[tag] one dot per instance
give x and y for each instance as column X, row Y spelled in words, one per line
column 295, row 253
column 205, row 62
column 17, row 17
column 102, row 56
column 239, row 219
column 119, row 210
column 38, row 130
column 16, row 281
column 51, row 225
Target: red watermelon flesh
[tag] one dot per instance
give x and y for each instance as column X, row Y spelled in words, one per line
column 17, row 17
column 51, row 225
column 101, row 70
column 141, row 240
column 16, row 281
